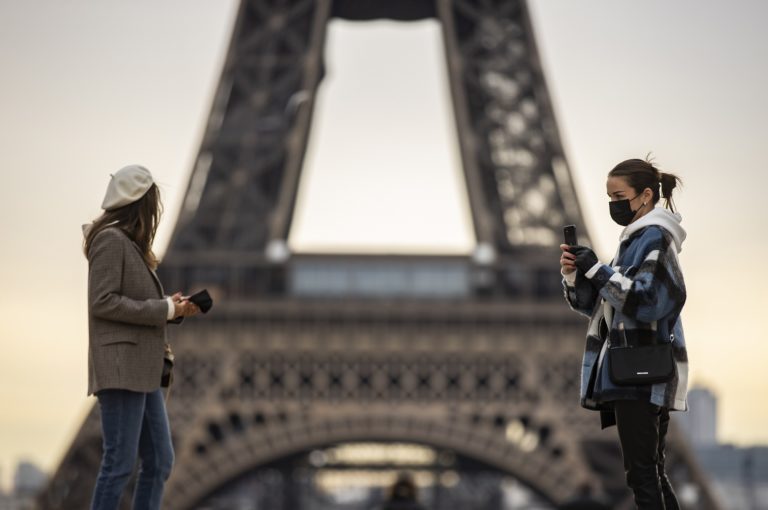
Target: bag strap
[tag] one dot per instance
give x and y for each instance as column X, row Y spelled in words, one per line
column 625, row 343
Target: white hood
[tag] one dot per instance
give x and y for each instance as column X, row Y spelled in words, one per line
column 664, row 218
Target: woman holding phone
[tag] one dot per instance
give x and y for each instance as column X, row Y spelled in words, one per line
column 636, row 300
column 127, row 317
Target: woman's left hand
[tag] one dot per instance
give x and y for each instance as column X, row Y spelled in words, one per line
column 585, row 258
column 188, row 308
column 183, row 306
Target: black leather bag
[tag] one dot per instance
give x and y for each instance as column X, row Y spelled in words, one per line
column 633, row 365
column 167, row 378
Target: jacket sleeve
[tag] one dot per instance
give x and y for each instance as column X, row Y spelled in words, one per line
column 106, row 257
column 656, row 290
column 580, row 294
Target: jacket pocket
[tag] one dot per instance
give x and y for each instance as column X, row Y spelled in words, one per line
column 117, row 337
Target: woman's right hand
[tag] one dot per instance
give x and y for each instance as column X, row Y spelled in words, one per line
column 567, row 260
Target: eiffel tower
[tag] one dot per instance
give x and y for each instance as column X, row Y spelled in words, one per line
column 472, row 359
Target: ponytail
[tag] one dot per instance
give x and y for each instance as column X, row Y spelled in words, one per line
column 668, row 183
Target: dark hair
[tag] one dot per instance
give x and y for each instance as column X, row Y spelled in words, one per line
column 641, row 174
column 139, row 220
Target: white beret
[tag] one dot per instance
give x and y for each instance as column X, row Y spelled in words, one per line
column 127, row 185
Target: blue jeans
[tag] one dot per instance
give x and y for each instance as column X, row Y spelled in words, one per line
column 133, row 425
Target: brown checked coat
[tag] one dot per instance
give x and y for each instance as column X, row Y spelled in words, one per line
column 127, row 315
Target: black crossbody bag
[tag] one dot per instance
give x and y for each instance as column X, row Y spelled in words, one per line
column 632, row 365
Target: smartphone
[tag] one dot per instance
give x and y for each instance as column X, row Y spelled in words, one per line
column 569, row 234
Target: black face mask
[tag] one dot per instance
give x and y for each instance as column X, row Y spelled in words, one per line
column 622, row 212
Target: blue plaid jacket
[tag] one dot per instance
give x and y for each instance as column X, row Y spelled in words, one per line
column 639, row 295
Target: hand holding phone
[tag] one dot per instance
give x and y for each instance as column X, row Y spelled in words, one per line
column 202, row 299
column 567, row 258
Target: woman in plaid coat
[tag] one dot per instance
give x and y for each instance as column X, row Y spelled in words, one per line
column 127, row 317
column 636, row 298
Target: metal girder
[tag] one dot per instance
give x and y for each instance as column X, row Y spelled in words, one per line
column 518, row 180
column 242, row 189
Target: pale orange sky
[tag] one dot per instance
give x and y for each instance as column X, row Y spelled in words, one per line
column 91, row 86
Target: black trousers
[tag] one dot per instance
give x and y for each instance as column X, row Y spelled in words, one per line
column 642, row 430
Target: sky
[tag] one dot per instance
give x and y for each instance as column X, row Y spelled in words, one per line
column 88, row 87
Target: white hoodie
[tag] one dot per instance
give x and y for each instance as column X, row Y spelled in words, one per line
column 664, row 218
